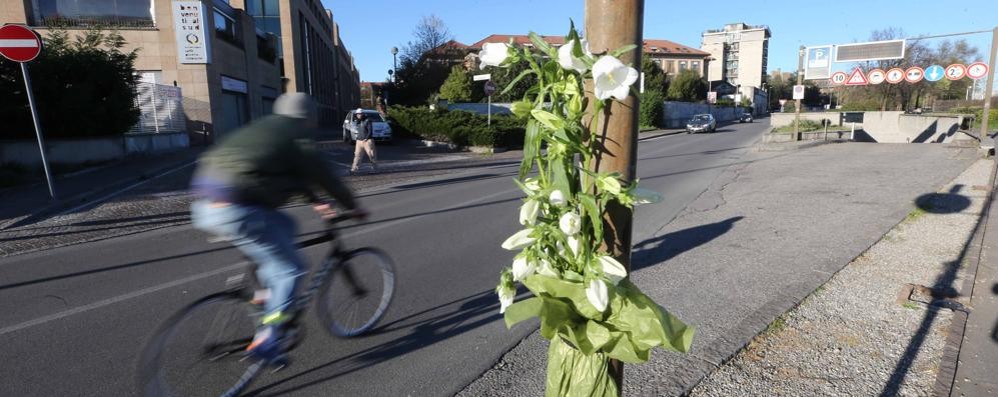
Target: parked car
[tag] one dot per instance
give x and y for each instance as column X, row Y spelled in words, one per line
column 745, row 118
column 701, row 123
column 381, row 130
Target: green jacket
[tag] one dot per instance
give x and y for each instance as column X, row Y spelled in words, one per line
column 267, row 163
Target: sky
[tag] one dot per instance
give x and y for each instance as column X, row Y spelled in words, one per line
column 370, row 28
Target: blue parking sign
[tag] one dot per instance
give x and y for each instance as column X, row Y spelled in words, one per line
column 934, row 73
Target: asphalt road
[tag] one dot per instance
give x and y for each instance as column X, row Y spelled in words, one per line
column 73, row 319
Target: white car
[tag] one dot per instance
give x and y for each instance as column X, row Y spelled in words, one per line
column 381, row 130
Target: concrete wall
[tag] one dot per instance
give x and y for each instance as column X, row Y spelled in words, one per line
column 676, row 114
column 897, row 127
column 777, row 120
column 78, row 151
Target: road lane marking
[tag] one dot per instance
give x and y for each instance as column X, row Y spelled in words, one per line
column 117, row 299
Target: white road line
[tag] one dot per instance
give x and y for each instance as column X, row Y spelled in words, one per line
column 196, row 277
column 124, row 189
column 117, row 299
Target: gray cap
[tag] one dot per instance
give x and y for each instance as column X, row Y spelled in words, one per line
column 295, row 105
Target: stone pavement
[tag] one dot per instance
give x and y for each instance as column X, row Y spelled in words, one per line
column 770, row 230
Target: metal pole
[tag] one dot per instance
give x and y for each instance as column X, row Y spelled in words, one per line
column 611, row 24
column 800, row 80
column 489, row 122
column 989, row 82
column 38, row 128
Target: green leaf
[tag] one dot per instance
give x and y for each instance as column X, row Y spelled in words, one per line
column 522, row 310
column 548, row 119
column 560, row 176
column 593, row 212
column 622, row 50
column 539, row 42
column 516, row 80
column 531, row 146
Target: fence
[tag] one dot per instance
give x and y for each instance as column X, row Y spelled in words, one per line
column 161, row 107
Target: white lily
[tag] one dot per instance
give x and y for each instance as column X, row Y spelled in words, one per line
column 545, row 269
column 522, row 268
column 609, row 184
column 646, row 196
column 519, row 240
column 532, row 184
column 573, row 244
column 557, row 198
column 493, row 54
column 506, row 296
column 613, row 270
column 570, row 223
column 613, row 78
column 529, row 211
column 597, row 294
column 569, row 61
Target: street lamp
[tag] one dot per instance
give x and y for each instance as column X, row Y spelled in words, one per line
column 395, row 52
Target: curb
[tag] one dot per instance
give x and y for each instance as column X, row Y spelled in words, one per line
column 950, row 361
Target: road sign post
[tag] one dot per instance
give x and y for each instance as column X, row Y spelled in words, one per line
column 489, row 90
column 22, row 45
column 800, row 81
column 989, row 82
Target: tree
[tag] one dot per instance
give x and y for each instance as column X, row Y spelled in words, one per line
column 83, row 87
column 687, row 87
column 419, row 76
column 502, row 77
column 650, row 110
column 457, row 87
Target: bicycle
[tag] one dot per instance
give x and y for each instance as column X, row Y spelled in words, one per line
column 231, row 318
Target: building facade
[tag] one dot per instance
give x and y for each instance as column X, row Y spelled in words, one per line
column 312, row 56
column 235, row 80
column 740, row 54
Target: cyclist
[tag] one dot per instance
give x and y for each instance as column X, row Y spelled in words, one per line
column 241, row 182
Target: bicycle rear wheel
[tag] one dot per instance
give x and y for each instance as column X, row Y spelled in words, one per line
column 357, row 293
column 200, row 351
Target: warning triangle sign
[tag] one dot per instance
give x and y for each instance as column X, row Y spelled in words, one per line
column 857, row 78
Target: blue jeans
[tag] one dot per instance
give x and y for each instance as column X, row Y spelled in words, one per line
column 266, row 236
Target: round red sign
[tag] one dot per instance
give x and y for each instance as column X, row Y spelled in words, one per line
column 19, row 44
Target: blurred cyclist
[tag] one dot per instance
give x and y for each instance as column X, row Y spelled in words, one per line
column 241, row 182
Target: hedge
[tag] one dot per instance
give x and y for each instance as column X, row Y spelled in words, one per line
column 458, row 127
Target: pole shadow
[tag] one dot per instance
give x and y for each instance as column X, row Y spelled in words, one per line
column 660, row 249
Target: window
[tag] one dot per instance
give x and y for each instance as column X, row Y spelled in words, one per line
column 682, row 66
column 695, row 65
column 225, row 26
column 107, row 13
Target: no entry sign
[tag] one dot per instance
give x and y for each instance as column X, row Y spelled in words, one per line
column 19, row 44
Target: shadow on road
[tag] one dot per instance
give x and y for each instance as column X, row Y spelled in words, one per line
column 660, row 249
column 940, row 203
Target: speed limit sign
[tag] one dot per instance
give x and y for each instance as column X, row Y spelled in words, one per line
column 839, row 78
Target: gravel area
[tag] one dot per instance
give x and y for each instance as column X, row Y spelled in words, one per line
column 861, row 333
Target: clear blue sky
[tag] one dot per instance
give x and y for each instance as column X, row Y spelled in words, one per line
column 371, row 27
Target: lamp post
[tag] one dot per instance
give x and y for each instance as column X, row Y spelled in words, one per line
column 395, row 52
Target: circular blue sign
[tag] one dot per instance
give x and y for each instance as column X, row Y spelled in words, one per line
column 934, row 73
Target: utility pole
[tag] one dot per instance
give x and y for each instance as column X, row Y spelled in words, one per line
column 989, row 82
column 611, row 24
column 800, row 80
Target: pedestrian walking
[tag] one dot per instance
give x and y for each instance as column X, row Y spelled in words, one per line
column 365, row 141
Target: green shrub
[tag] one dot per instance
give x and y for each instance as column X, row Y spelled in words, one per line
column 650, row 110
column 83, row 87
column 458, row 127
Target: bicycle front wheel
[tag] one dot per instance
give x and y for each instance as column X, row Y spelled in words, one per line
column 357, row 293
column 200, row 351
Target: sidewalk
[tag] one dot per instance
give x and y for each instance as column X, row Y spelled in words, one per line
column 977, row 362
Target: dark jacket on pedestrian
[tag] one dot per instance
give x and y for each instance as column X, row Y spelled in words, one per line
column 266, row 163
column 364, row 129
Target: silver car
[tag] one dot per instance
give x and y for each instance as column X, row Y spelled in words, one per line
column 701, row 123
column 380, row 128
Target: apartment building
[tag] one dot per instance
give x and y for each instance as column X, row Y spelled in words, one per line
column 311, row 54
column 739, row 56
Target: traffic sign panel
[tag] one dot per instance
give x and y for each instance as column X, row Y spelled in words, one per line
column 914, row 74
column 876, row 76
column 977, row 70
column 956, row 71
column 857, row 78
column 934, row 73
column 838, row 78
column 895, row 75
column 798, row 92
column 489, row 87
column 19, row 44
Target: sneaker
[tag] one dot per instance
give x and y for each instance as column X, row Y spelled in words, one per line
column 267, row 346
